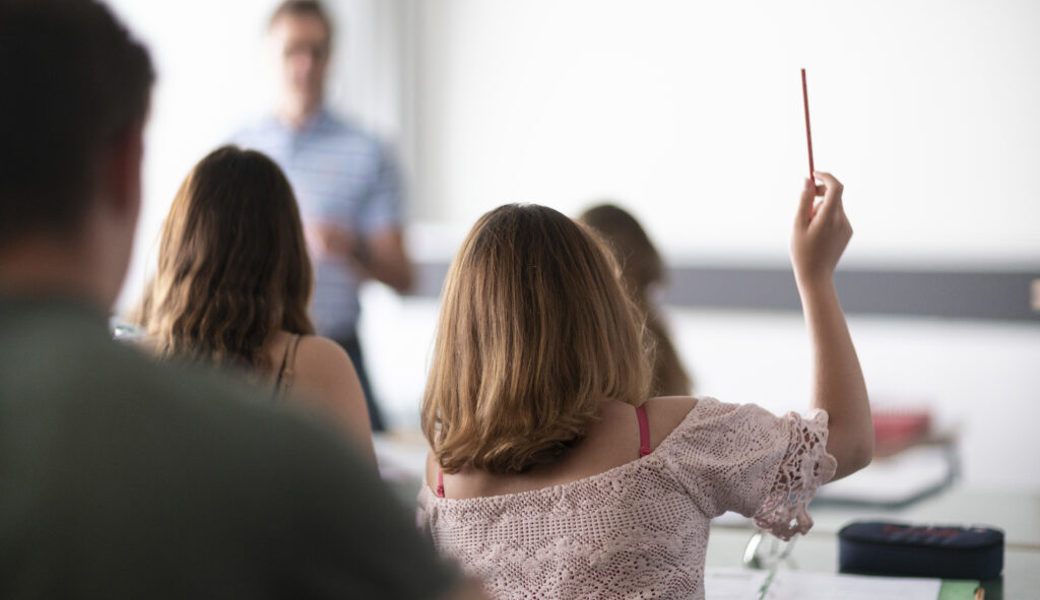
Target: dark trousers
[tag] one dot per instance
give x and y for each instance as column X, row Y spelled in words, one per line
column 353, row 349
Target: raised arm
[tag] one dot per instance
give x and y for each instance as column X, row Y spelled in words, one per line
column 821, row 233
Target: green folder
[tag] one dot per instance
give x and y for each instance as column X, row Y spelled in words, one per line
column 958, row 589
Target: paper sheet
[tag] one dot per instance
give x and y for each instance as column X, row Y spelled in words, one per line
column 744, row 584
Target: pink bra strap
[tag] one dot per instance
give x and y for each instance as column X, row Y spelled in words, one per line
column 644, row 431
column 440, row 484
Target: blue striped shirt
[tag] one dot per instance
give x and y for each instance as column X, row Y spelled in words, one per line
column 343, row 177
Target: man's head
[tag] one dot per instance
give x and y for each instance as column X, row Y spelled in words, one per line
column 301, row 34
column 76, row 93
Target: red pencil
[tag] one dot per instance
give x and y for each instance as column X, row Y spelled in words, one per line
column 808, row 132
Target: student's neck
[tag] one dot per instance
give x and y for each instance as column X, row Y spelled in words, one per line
column 41, row 267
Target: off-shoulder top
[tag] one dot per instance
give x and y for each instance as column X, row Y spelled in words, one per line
column 640, row 530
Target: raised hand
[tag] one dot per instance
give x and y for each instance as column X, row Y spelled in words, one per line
column 821, row 231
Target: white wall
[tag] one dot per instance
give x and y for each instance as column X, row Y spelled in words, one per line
column 691, row 113
column 688, row 112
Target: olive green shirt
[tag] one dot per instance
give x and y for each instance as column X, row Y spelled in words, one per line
column 124, row 478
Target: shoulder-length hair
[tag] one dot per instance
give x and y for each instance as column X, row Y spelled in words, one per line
column 641, row 267
column 535, row 333
column 641, row 264
column 233, row 264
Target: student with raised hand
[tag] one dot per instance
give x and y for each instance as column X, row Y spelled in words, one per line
column 550, row 472
column 233, row 286
column 121, row 477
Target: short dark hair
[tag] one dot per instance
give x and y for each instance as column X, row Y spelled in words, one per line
column 302, row 8
column 74, row 82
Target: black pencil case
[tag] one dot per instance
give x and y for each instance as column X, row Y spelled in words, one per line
column 947, row 552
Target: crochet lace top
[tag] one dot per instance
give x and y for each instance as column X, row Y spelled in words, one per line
column 640, row 530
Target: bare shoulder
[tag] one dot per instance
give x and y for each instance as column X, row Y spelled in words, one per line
column 325, row 373
column 665, row 413
column 322, row 363
column 324, row 370
column 618, row 425
column 321, row 354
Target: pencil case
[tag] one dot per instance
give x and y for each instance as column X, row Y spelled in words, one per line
column 947, row 552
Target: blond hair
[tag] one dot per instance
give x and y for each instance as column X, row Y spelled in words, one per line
column 233, row 264
column 535, row 333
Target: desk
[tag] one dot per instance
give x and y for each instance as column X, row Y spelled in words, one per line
column 1018, row 514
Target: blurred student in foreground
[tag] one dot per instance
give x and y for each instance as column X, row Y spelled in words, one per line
column 120, row 477
column 552, row 475
column 642, row 271
column 233, row 285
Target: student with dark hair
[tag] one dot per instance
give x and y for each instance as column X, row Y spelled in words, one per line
column 552, row 475
column 120, row 477
column 641, row 271
column 234, row 283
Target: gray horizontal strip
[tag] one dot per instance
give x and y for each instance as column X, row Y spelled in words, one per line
column 999, row 295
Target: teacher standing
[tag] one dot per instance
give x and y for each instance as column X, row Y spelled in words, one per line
column 345, row 181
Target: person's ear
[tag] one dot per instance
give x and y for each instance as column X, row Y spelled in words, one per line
column 122, row 173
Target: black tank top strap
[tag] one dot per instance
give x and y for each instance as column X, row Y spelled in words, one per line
column 285, row 371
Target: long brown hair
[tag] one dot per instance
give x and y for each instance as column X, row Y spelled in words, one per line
column 641, row 269
column 535, row 333
column 233, row 264
column 641, row 265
